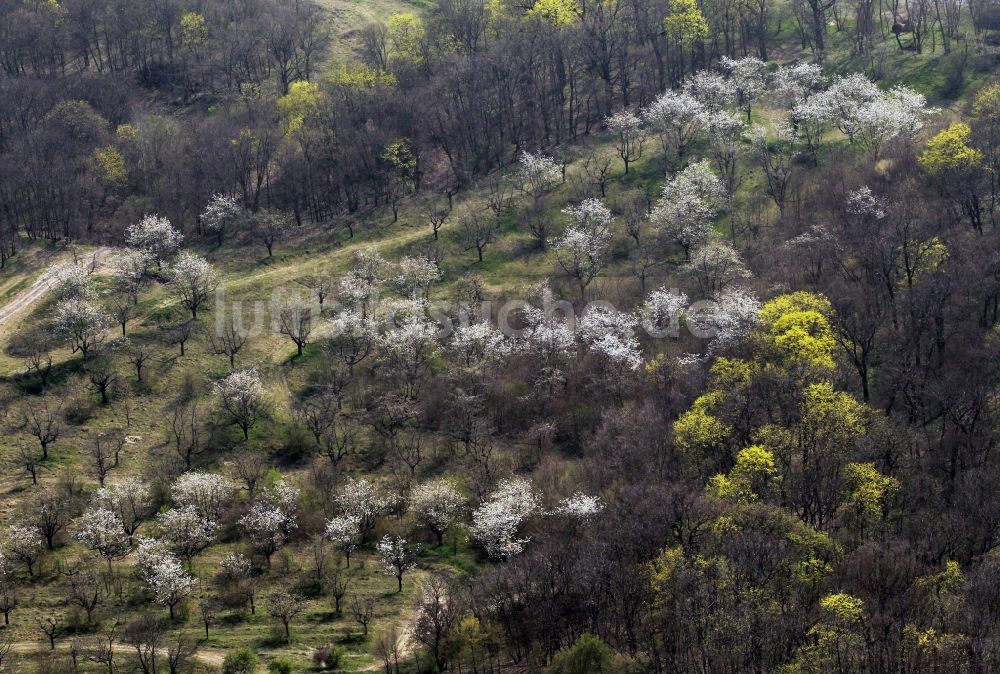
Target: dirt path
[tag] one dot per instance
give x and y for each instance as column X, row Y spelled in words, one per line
column 213, row 657
column 38, row 289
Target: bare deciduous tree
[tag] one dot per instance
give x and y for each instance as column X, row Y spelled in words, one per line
column 44, row 420
column 285, row 607
column 295, row 322
column 227, row 340
column 363, row 610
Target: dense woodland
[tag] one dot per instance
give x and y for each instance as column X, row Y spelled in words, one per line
column 602, row 336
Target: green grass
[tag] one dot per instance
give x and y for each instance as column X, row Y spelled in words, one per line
column 348, row 17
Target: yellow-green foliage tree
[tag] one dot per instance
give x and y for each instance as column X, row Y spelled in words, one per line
column 194, row 29
column 556, row 12
column 944, row 594
column 955, row 167
column 589, row 655
column 802, row 432
column 917, row 258
column 734, row 583
column 361, row 76
column 838, row 639
column 986, row 133
column 752, row 478
column 798, row 327
column 813, row 451
column 403, row 160
column 869, row 498
column 407, row 37
column 300, row 103
column 929, row 643
column 685, row 24
column 950, row 152
column 699, row 435
column 111, row 165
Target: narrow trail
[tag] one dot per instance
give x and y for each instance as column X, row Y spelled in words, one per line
column 39, row 288
column 213, row 657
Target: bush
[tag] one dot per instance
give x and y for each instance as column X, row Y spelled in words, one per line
column 281, row 666
column 242, row 661
column 328, row 657
column 589, row 655
column 296, row 444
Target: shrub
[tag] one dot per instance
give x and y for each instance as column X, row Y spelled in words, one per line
column 242, row 661
column 589, row 655
column 328, row 657
column 281, row 666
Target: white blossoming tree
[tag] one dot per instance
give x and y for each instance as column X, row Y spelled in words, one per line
column 237, row 571
column 148, row 552
column 102, row 531
column 128, row 498
column 629, row 135
column 414, row 276
column 282, row 496
column 241, row 395
column 546, row 335
column 354, row 338
column 579, row 506
column 187, row 530
column 662, row 311
column 128, row 271
column 864, row 206
column 344, row 531
column 271, row 519
column 724, row 130
column 868, row 116
column 611, row 334
column 748, row 79
column 792, row 83
column 81, row 323
column 582, row 250
column 687, row 206
column 712, row 90
column 728, row 320
column 24, row 544
column 156, row 236
column 169, row 582
column 811, row 119
column 478, row 344
column 365, row 502
column 396, row 557
column 360, row 288
column 267, row 529
column 437, row 505
column 71, row 281
column 900, row 113
column 221, row 215
column 408, row 343
column 716, row 266
column 193, row 281
column 209, row 493
column 497, row 521
column 235, row 566
column 675, row 117
column 537, row 175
